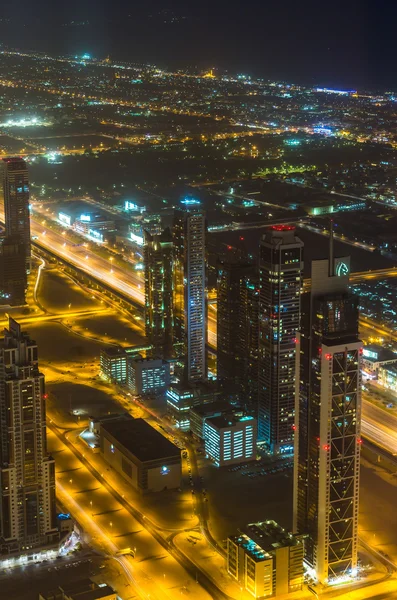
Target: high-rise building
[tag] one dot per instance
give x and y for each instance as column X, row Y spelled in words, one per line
column 327, row 421
column 16, row 202
column 237, row 329
column 13, row 277
column 190, row 292
column 158, row 255
column 280, row 279
column 27, row 472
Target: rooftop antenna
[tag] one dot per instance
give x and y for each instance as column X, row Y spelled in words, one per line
column 331, row 248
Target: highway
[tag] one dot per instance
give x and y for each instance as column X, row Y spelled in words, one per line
column 131, row 283
column 379, row 426
column 108, row 519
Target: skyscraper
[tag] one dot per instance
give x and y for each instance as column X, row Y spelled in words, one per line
column 237, row 328
column 158, row 256
column 190, row 293
column 280, row 279
column 16, row 202
column 27, row 472
column 328, row 416
column 13, row 277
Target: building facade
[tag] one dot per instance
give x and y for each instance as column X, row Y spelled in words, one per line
column 237, row 329
column 148, row 376
column 159, row 320
column 190, row 292
column 16, row 202
column 13, row 275
column 266, row 560
column 280, row 280
column 328, row 419
column 27, row 472
column 113, row 363
column 230, row 441
column 143, row 456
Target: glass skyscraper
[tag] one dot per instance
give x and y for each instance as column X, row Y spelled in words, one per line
column 158, row 255
column 16, row 202
column 280, row 280
column 190, row 292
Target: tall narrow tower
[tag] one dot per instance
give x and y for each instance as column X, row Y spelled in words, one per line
column 328, row 418
column 237, row 329
column 16, row 202
column 190, row 291
column 158, row 255
column 27, row 472
column 280, row 279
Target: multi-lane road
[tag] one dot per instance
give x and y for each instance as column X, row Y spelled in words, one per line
column 376, row 423
column 380, row 427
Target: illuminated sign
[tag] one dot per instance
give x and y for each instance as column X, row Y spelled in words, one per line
column 85, row 218
column 342, row 269
column 164, row 470
column 132, row 206
column 370, row 354
column 64, row 219
column 190, row 201
column 138, row 239
column 96, row 235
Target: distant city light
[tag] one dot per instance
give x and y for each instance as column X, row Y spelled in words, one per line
column 34, row 122
column 190, row 201
column 85, row 218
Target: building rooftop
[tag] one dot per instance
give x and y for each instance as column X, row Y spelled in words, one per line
column 211, row 408
column 375, row 353
column 140, row 439
column 224, row 421
column 114, row 351
column 391, row 368
column 269, row 535
column 257, row 553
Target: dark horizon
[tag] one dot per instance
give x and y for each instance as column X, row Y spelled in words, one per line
column 350, row 47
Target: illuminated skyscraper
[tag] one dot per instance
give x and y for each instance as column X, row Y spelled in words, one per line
column 13, row 277
column 237, row 329
column 16, row 202
column 190, row 293
column 158, row 256
column 280, row 279
column 27, row 472
column 328, row 418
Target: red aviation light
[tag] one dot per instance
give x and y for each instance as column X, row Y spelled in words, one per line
column 241, row 238
column 359, row 441
column 328, row 356
column 293, row 427
column 326, row 447
column 45, row 396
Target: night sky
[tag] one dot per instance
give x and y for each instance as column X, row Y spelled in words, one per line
column 338, row 43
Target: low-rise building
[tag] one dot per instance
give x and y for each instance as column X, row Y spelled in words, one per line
column 266, row 560
column 148, row 376
column 113, row 364
column 200, row 413
column 375, row 357
column 230, row 440
column 83, row 589
column 142, row 455
column 388, row 377
column 181, row 397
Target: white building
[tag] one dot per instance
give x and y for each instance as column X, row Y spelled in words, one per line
column 230, row 441
column 148, row 376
